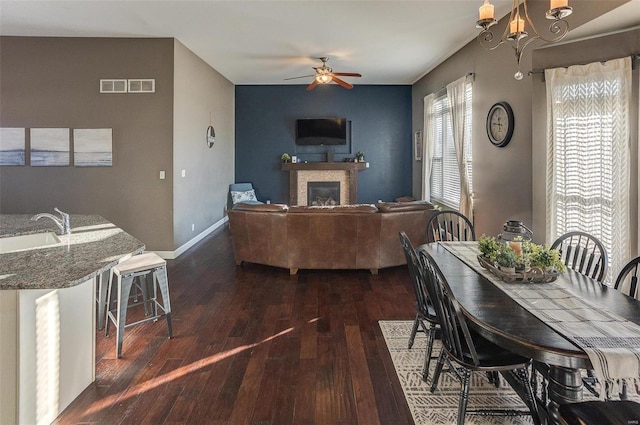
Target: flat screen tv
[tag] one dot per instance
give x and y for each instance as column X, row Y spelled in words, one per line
column 321, row 131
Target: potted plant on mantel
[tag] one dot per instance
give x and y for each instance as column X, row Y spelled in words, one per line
column 360, row 156
column 285, row 157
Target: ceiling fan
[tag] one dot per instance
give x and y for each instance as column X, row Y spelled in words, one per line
column 325, row 75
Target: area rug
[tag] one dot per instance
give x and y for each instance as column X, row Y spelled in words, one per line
column 441, row 407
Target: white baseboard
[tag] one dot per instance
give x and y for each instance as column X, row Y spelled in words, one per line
column 172, row 255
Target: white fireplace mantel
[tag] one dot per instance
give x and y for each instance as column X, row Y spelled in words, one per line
column 344, row 172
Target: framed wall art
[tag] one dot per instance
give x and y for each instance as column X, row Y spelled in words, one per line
column 50, row 147
column 92, row 147
column 12, row 146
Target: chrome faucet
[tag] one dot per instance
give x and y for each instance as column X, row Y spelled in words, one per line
column 63, row 223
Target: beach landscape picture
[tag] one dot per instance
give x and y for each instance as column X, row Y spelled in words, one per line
column 12, row 146
column 92, row 147
column 49, row 147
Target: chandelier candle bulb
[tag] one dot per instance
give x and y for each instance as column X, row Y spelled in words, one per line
column 517, row 26
column 559, row 3
column 487, row 10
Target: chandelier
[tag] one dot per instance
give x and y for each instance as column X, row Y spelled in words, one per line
column 516, row 32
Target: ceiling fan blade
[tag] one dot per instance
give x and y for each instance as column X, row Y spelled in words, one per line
column 312, row 85
column 347, row 74
column 342, row 83
column 303, row 76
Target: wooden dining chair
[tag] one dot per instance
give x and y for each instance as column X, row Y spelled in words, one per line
column 627, row 280
column 583, row 253
column 424, row 307
column 450, row 226
column 469, row 351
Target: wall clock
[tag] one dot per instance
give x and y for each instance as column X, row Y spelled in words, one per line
column 500, row 124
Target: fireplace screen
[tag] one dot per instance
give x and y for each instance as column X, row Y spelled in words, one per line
column 323, row 193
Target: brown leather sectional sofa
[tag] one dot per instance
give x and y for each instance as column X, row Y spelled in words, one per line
column 338, row 237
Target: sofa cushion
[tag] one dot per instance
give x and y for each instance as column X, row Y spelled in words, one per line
column 242, row 196
column 261, row 207
column 404, row 206
column 405, row 199
column 338, row 209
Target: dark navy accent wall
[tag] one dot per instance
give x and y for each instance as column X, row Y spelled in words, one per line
column 380, row 119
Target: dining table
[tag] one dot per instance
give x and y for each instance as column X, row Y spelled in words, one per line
column 495, row 315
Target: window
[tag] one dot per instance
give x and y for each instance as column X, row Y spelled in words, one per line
column 445, row 175
column 588, row 151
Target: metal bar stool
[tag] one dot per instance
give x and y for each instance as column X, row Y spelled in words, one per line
column 139, row 289
column 140, row 266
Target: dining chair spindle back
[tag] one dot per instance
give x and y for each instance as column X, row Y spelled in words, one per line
column 583, row 253
column 627, row 281
column 450, row 226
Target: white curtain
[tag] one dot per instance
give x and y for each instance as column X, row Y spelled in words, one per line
column 427, row 145
column 456, row 93
column 588, row 180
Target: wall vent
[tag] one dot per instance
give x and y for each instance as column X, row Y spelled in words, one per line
column 113, row 86
column 147, row 85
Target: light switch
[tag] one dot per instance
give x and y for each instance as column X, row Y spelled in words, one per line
column 162, row 175
column 184, row 173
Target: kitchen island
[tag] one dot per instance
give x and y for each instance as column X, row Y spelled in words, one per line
column 47, row 313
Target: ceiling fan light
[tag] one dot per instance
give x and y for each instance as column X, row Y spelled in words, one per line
column 323, row 79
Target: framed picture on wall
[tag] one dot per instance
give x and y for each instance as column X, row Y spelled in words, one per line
column 12, row 146
column 417, row 146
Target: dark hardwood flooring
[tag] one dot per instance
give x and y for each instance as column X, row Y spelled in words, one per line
column 253, row 345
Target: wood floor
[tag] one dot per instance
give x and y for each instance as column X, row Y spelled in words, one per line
column 253, row 345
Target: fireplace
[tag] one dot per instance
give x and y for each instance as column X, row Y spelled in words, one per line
column 323, row 193
column 302, row 173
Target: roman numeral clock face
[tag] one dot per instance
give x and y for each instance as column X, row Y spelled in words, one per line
column 500, row 124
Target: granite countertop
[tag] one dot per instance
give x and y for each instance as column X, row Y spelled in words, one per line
column 93, row 246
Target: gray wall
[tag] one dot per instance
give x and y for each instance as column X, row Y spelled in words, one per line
column 54, row 82
column 201, row 95
column 502, row 177
column 581, row 52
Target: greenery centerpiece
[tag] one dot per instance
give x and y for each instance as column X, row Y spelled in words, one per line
column 285, row 157
column 506, row 258
column 488, row 246
column 544, row 257
column 519, row 260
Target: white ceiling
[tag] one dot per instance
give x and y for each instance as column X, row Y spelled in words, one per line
column 265, row 41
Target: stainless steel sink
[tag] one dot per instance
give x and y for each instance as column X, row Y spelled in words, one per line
column 25, row 242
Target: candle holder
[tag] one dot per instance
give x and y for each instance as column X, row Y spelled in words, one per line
column 486, row 23
column 559, row 12
column 515, row 36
